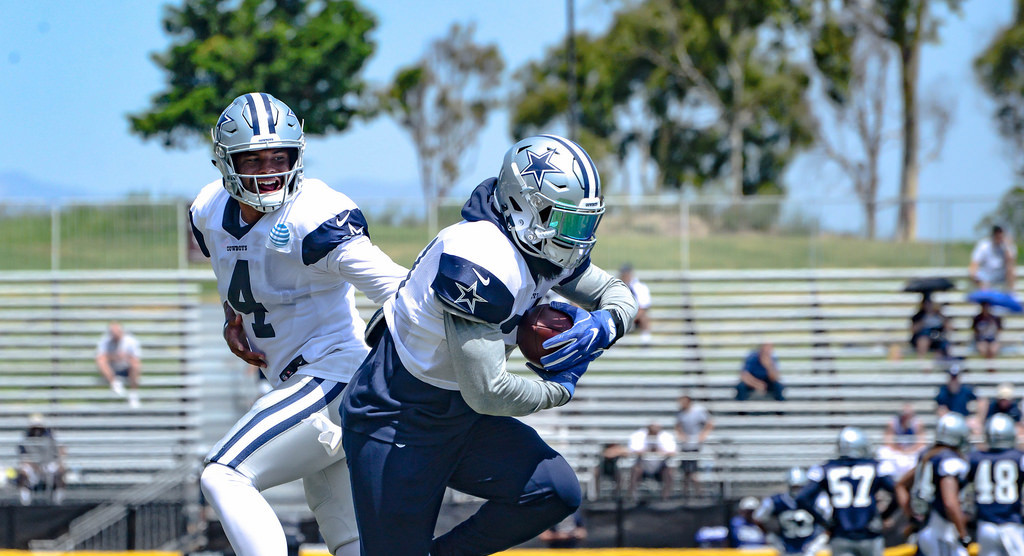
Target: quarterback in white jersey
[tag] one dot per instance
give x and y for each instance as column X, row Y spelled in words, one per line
column 431, row 406
column 287, row 253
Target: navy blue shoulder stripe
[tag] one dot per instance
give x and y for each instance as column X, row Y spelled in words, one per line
column 472, row 289
column 199, row 236
column 346, row 225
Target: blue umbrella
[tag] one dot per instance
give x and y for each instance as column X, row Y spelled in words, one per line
column 998, row 298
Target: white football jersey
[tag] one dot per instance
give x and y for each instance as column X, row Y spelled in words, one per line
column 291, row 274
column 470, row 269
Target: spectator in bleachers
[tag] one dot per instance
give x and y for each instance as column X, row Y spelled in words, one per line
column 1005, row 403
column 642, row 322
column 40, row 462
column 760, row 375
column 929, row 329
column 744, row 532
column 955, row 396
column 693, row 425
column 993, row 262
column 904, row 439
column 119, row 357
column 568, row 533
column 986, row 327
column 654, row 449
column 611, row 453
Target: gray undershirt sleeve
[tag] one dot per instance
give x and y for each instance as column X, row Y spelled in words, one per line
column 477, row 352
column 596, row 289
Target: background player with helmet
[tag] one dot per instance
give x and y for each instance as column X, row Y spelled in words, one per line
column 996, row 474
column 930, row 493
column 287, row 252
column 852, row 482
column 794, row 529
column 432, row 404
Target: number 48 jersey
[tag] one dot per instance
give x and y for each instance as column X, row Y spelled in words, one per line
column 998, row 476
column 291, row 276
column 852, row 485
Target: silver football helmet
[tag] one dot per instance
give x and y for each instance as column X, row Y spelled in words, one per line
column 1000, row 432
column 252, row 122
column 796, row 478
column 853, row 443
column 951, row 430
column 549, row 193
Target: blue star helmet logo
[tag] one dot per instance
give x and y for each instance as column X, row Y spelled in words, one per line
column 538, row 166
column 224, row 120
column 469, row 296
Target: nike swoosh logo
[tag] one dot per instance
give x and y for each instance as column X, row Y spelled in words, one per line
column 481, row 278
column 593, row 336
column 341, row 221
column 399, row 445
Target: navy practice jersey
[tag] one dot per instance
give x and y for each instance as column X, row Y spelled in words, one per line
column 852, row 485
column 926, row 495
column 744, row 534
column 997, row 477
column 796, row 525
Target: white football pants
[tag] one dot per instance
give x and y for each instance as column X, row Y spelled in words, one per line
column 939, row 538
column 290, row 433
column 1000, row 539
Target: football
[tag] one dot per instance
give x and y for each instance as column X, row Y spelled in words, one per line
column 537, row 325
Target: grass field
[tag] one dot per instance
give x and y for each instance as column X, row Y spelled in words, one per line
column 146, row 236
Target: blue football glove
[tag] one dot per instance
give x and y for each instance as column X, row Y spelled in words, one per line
column 567, row 378
column 590, row 335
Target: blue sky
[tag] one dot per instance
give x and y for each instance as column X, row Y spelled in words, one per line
column 66, row 91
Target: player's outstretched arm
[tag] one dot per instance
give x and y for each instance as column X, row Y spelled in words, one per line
column 234, row 335
column 477, row 352
column 370, row 270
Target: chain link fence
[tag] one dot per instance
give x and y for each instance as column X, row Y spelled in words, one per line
column 664, row 233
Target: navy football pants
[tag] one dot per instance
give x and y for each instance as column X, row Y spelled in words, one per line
column 398, row 490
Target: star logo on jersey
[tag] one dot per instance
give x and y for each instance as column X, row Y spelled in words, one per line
column 469, row 295
column 539, row 165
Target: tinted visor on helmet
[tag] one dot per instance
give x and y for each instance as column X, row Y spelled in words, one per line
column 574, row 225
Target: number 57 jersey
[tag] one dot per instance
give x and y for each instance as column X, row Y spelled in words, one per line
column 291, row 276
column 998, row 476
column 852, row 485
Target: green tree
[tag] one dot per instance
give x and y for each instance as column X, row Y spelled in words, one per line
column 443, row 102
column 308, row 53
column 1001, row 71
column 908, row 25
column 707, row 90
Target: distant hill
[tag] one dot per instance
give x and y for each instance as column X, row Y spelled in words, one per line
column 15, row 186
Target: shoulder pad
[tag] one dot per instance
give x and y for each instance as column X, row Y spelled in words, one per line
column 952, row 467
column 815, row 473
column 472, row 290
column 338, row 229
column 200, row 238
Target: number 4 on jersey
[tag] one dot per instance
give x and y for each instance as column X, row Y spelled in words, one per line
column 241, row 299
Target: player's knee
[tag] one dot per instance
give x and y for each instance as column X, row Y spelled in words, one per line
column 559, row 479
column 217, row 478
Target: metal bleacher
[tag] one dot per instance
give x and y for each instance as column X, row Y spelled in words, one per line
column 50, row 324
column 841, row 337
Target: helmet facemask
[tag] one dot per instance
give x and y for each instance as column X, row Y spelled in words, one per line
column 257, row 122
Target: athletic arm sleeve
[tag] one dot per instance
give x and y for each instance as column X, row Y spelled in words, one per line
column 365, row 266
column 477, row 352
column 596, row 289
